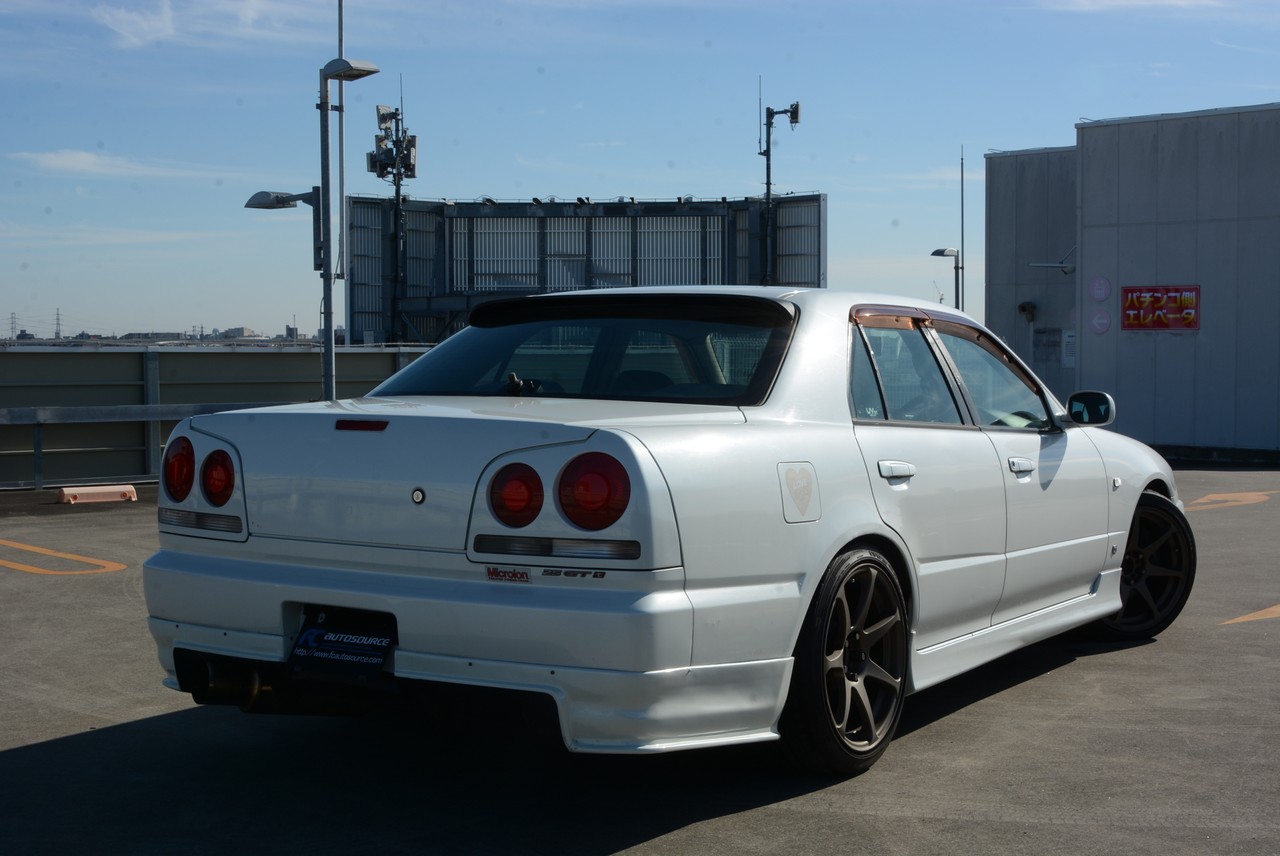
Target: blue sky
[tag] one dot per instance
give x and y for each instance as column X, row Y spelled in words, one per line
column 133, row 131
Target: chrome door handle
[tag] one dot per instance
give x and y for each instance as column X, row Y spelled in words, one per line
column 897, row 470
column 1021, row 465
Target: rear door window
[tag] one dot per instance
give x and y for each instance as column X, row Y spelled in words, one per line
column 896, row 375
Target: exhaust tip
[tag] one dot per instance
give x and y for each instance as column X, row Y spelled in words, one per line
column 216, row 680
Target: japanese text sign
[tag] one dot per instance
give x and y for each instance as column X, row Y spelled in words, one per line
column 1160, row 307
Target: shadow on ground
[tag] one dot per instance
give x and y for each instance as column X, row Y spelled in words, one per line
column 212, row 780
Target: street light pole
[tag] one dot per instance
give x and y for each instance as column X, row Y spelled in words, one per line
column 318, row 199
column 955, row 256
column 338, row 69
column 326, row 244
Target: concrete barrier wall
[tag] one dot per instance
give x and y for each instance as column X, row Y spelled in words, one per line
column 84, row 415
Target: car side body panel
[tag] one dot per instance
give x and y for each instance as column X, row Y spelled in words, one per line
column 949, row 504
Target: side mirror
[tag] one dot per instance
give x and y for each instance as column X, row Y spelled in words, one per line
column 1091, row 408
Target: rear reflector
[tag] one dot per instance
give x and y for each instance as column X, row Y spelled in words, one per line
column 561, row 548
column 200, row 520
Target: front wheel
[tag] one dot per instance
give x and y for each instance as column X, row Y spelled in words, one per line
column 850, row 670
column 1157, row 573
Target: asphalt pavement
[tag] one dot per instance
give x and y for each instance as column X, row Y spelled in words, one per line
column 1068, row 747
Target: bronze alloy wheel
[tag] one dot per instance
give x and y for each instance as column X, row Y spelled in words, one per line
column 850, row 672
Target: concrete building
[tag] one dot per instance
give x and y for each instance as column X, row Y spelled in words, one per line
column 1145, row 262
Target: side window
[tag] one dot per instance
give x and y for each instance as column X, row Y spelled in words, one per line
column 913, row 385
column 1004, row 398
column 867, row 403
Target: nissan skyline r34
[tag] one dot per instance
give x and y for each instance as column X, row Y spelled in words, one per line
column 689, row 516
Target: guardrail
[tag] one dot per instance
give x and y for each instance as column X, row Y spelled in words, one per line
column 74, row 416
column 152, row 415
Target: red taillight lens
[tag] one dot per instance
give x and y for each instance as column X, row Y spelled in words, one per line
column 515, row 495
column 179, row 468
column 218, row 478
column 594, row 491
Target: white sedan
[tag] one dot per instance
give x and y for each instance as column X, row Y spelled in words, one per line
column 691, row 517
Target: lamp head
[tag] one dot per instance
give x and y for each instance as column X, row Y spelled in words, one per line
column 347, row 69
column 271, row 199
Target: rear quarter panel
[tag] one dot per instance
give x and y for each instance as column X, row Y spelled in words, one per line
column 749, row 573
column 752, row 557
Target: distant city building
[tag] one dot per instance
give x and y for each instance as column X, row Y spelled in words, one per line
column 152, row 337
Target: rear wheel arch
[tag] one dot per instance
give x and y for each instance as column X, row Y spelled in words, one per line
column 849, row 677
column 898, row 562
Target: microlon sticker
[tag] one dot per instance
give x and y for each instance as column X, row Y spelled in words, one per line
column 508, row 575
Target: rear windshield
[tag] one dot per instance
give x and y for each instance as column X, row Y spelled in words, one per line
column 719, row 349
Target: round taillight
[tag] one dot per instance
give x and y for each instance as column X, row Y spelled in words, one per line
column 594, row 491
column 179, row 468
column 218, row 478
column 515, row 495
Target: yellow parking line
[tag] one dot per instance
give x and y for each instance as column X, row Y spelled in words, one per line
column 1230, row 500
column 1273, row 612
column 99, row 566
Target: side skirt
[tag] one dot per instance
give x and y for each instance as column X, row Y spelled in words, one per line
column 940, row 662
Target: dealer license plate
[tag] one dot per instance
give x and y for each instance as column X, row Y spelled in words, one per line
column 341, row 642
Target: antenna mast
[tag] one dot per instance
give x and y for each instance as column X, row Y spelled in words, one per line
column 792, row 113
column 395, row 154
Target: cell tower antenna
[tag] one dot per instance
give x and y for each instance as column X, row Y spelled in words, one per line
column 759, row 113
column 395, row 155
column 766, row 212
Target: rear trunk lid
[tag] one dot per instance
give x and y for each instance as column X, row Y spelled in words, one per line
column 401, row 473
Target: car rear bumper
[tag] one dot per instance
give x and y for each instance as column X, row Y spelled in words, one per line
column 615, row 661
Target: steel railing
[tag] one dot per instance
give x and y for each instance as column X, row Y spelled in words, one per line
column 152, row 415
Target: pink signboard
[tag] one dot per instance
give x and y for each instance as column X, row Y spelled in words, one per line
column 1160, row 307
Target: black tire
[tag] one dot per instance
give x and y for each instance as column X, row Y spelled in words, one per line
column 1157, row 573
column 850, row 671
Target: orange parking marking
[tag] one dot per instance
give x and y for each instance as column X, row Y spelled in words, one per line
column 99, row 566
column 1230, row 500
column 1273, row 612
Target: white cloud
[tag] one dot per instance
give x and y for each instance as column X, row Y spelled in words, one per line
column 17, row 234
column 77, row 161
column 1244, row 48
column 214, row 22
column 135, row 28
